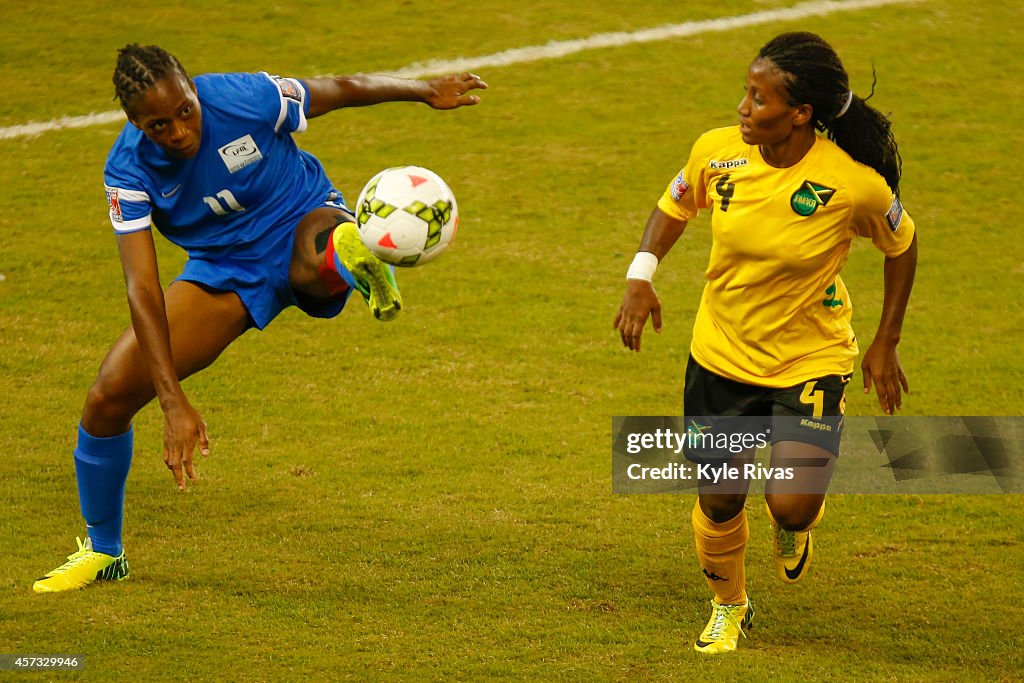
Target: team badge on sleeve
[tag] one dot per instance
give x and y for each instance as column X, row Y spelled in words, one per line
column 895, row 214
column 115, row 204
column 679, row 187
column 289, row 88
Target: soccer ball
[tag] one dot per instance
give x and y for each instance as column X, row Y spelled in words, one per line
column 407, row 216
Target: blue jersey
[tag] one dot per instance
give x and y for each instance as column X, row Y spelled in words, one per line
column 247, row 181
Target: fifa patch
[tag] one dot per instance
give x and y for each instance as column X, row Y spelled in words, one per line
column 114, row 203
column 809, row 196
column 679, row 187
column 289, row 88
column 239, row 153
column 894, row 215
column 731, row 163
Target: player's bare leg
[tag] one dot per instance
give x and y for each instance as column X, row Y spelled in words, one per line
column 795, row 506
column 201, row 325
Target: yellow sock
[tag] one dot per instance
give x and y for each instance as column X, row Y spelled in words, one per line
column 720, row 551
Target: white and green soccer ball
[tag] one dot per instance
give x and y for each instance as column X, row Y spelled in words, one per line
column 407, row 216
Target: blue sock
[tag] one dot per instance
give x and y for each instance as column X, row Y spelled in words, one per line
column 347, row 276
column 101, row 465
column 340, row 268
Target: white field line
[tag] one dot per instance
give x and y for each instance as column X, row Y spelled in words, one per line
column 551, row 50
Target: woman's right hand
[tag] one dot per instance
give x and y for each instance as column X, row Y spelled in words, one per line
column 184, row 429
column 639, row 302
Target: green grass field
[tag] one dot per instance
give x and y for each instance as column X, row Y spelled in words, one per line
column 431, row 499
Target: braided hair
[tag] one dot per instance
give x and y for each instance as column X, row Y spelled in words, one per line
column 138, row 68
column 814, row 75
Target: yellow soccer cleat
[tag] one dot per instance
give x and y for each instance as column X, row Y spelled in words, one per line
column 793, row 551
column 82, row 568
column 724, row 628
column 374, row 278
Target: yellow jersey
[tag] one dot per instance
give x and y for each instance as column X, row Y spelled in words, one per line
column 774, row 311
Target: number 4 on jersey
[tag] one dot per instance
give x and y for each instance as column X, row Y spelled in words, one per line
column 725, row 191
column 229, row 199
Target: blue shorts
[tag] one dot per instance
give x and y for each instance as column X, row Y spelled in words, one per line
column 259, row 277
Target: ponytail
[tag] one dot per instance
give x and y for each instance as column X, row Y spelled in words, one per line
column 865, row 134
column 814, row 75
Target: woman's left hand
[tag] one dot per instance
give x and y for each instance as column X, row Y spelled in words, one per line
column 449, row 92
column 881, row 367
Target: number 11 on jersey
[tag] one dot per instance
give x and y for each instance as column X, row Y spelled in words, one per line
column 228, row 199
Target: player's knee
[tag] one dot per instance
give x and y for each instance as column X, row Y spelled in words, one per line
column 793, row 513
column 720, row 508
column 109, row 402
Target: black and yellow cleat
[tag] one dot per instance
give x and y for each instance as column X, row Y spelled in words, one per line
column 82, row 568
column 374, row 278
column 724, row 628
column 793, row 551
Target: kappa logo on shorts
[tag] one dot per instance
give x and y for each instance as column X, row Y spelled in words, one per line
column 815, row 425
column 894, row 216
column 115, row 204
column 679, row 187
column 239, row 153
column 806, row 200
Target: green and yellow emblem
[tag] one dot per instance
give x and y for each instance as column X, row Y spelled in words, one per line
column 809, row 197
column 696, row 428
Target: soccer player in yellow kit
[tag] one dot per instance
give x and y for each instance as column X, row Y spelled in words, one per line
column 772, row 336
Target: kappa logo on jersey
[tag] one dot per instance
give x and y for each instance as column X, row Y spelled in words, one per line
column 894, row 215
column 239, row 153
column 809, row 197
column 115, row 204
column 731, row 163
column 288, row 88
column 679, row 187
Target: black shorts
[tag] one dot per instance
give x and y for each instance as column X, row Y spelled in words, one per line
column 810, row 412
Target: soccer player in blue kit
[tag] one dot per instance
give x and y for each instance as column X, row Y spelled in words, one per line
column 212, row 164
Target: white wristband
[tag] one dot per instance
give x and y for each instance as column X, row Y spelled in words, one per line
column 642, row 267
